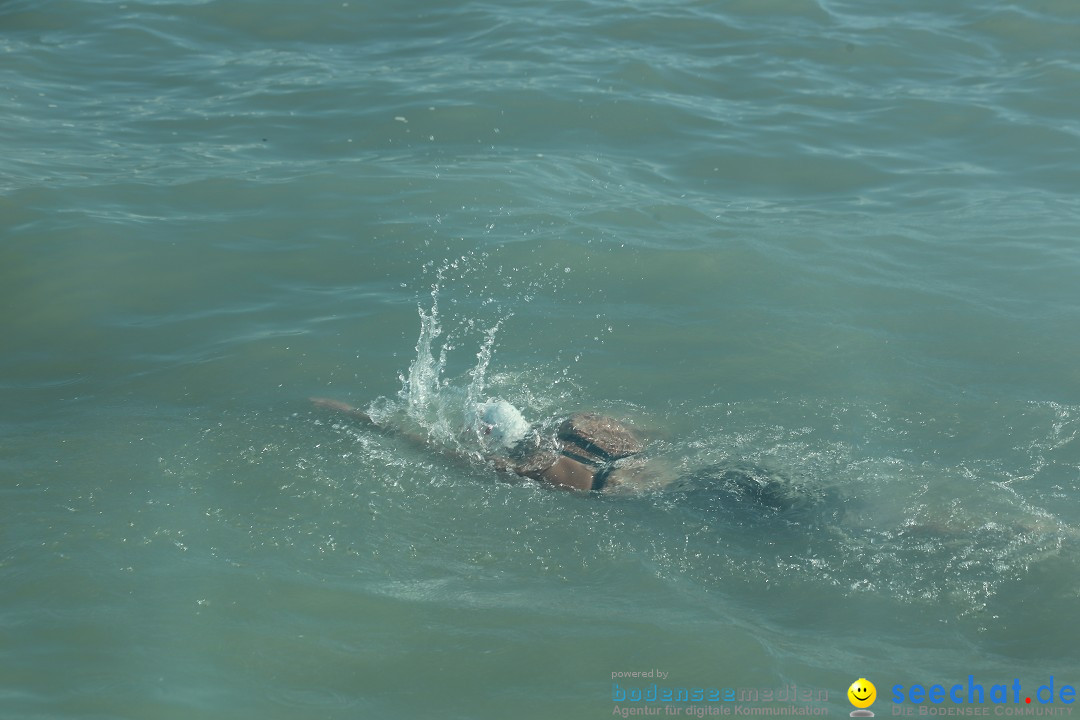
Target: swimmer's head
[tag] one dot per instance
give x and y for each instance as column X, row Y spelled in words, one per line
column 499, row 424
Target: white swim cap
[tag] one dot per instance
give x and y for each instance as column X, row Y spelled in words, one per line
column 499, row 423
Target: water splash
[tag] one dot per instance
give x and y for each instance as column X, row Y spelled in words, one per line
column 421, row 385
column 474, row 392
column 441, row 406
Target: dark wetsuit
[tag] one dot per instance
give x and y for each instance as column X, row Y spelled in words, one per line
column 750, row 490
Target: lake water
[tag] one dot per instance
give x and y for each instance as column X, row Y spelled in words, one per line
column 837, row 240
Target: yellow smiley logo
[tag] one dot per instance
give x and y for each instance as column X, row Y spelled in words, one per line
column 862, row 693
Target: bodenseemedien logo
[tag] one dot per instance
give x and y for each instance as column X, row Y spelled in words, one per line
column 862, row 694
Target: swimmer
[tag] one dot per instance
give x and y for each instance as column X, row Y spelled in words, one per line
column 594, row 453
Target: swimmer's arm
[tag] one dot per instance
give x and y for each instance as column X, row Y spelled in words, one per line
column 363, row 418
column 344, row 409
column 366, row 420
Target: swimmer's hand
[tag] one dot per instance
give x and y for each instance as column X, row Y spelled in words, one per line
column 343, row 408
